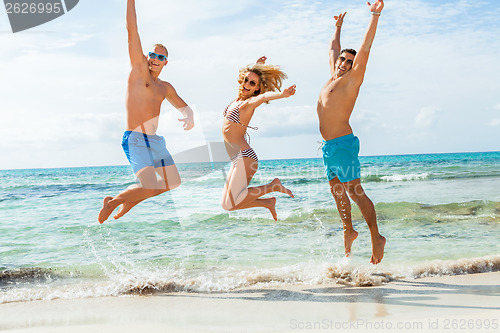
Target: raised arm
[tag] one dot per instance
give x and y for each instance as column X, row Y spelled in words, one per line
column 134, row 42
column 361, row 59
column 256, row 101
column 335, row 42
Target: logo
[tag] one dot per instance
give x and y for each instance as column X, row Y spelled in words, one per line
column 26, row 14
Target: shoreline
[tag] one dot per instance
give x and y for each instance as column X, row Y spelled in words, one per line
column 445, row 303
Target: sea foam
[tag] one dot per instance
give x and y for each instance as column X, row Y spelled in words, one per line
column 141, row 282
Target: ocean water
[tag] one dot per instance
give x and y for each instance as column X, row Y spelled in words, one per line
column 440, row 214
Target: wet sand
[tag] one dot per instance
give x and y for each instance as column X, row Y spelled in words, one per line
column 460, row 303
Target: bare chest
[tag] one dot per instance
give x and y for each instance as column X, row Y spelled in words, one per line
column 332, row 89
column 152, row 89
column 339, row 92
column 146, row 88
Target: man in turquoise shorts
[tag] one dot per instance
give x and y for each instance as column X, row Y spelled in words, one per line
column 341, row 147
column 146, row 151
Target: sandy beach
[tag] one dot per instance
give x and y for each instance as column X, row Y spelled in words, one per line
column 168, row 166
column 436, row 304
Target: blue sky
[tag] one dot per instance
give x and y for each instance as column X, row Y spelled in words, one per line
column 432, row 83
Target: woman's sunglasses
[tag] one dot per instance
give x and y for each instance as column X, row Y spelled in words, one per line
column 161, row 57
column 252, row 82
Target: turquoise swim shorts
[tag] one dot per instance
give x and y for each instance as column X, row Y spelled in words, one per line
column 340, row 157
column 144, row 150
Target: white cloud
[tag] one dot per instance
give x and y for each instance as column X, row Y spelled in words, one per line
column 426, row 117
column 70, row 83
column 494, row 122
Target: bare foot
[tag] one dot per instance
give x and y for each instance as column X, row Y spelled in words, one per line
column 278, row 187
column 349, row 237
column 270, row 203
column 125, row 207
column 377, row 249
column 106, row 210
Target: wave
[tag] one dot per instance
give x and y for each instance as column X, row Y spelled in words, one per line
column 362, row 277
column 147, row 281
column 208, row 177
column 385, row 177
column 408, row 177
column 425, row 176
column 378, row 178
column 486, row 211
column 53, row 190
column 325, row 212
column 25, row 275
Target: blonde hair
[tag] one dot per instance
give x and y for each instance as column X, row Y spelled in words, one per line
column 162, row 46
column 270, row 76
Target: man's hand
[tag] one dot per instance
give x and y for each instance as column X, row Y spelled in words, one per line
column 262, row 60
column 188, row 117
column 339, row 19
column 377, row 6
column 188, row 123
column 289, row 91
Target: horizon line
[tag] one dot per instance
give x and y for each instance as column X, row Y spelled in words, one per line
column 261, row 160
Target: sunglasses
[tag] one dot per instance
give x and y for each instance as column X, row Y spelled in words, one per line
column 252, row 82
column 161, row 57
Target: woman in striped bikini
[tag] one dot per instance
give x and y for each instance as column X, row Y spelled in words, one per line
column 259, row 84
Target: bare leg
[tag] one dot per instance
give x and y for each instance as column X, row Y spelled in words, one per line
column 253, row 193
column 367, row 208
column 238, row 196
column 269, row 203
column 344, row 207
column 125, row 207
column 150, row 186
column 129, row 198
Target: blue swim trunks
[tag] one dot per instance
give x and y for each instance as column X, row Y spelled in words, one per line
column 340, row 157
column 144, row 150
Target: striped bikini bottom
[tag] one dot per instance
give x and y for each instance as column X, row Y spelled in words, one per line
column 244, row 153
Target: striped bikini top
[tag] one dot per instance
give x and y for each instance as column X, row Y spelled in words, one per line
column 233, row 114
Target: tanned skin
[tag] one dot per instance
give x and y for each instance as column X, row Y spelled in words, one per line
column 145, row 95
column 335, row 106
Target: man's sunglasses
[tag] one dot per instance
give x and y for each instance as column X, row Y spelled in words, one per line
column 161, row 57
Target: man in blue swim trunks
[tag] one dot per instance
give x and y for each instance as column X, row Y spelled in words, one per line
column 147, row 153
column 341, row 147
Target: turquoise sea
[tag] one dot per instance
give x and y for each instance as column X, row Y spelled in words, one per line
column 440, row 214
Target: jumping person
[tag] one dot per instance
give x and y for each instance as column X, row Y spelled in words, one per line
column 147, row 153
column 259, row 83
column 341, row 147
